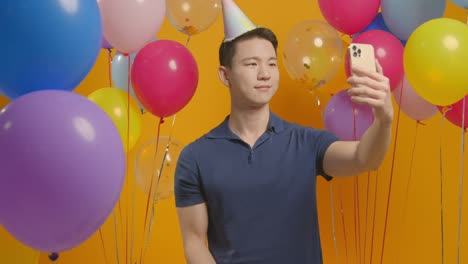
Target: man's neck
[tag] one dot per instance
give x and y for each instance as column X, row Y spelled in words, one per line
column 249, row 124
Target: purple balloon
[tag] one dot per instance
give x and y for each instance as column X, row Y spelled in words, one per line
column 346, row 119
column 105, row 44
column 62, row 169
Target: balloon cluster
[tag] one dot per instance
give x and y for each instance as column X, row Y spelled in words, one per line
column 422, row 53
column 63, row 154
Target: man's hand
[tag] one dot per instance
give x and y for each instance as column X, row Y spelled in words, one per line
column 373, row 89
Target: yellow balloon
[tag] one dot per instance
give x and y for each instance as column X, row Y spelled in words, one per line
column 14, row 252
column 313, row 52
column 436, row 61
column 149, row 165
column 192, row 16
column 115, row 103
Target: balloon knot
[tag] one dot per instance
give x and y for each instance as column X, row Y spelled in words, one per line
column 161, row 121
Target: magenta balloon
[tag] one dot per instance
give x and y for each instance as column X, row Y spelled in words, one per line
column 455, row 113
column 347, row 120
column 63, row 168
column 164, row 77
column 349, row 16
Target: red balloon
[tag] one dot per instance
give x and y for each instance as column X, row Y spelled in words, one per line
column 349, row 16
column 164, row 77
column 388, row 51
column 455, row 112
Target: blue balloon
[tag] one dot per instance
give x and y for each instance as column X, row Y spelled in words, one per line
column 378, row 24
column 47, row 44
column 461, row 3
column 403, row 16
column 120, row 73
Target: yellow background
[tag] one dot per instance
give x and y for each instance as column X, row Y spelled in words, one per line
column 413, row 233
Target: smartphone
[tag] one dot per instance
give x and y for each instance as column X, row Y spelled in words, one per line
column 362, row 55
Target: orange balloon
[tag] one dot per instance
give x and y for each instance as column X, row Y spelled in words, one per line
column 312, row 53
column 192, row 16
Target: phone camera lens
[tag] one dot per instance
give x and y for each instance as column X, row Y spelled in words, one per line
column 355, row 54
column 354, row 47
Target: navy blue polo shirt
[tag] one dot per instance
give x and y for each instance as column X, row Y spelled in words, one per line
column 262, row 200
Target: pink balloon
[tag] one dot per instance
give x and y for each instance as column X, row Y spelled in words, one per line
column 128, row 25
column 164, row 77
column 346, row 119
column 455, row 112
column 388, row 51
column 412, row 104
column 349, row 16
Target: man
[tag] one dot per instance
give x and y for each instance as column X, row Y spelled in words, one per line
column 248, row 186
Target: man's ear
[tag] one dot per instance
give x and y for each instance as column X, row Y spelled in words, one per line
column 223, row 75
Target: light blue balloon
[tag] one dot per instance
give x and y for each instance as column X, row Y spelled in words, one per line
column 461, row 3
column 120, row 73
column 403, row 16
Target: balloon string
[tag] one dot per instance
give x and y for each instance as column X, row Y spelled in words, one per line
column 103, row 245
column 116, row 240
column 127, row 156
column 441, row 189
column 155, row 198
column 332, row 203
column 188, row 40
column 460, row 192
column 109, row 63
column 391, row 179
column 344, row 225
column 408, row 183
column 357, row 225
column 373, row 219
column 366, row 217
column 161, row 121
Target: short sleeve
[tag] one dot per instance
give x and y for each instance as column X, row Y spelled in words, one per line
column 323, row 139
column 187, row 183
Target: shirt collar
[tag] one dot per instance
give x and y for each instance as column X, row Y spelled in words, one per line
column 275, row 125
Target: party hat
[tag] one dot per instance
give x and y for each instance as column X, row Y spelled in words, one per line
column 236, row 22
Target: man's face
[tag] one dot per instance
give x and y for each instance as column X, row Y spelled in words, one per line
column 253, row 77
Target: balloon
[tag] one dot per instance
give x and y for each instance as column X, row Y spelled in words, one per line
column 47, row 44
column 149, row 164
column 412, row 104
column 13, row 251
column 378, row 24
column 120, row 74
column 435, row 60
column 312, row 52
column 388, row 51
column 129, row 25
column 105, row 44
column 63, row 168
column 349, row 16
column 403, row 16
column 346, row 119
column 115, row 103
column 461, row 3
column 164, row 77
column 454, row 112
column 192, row 16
